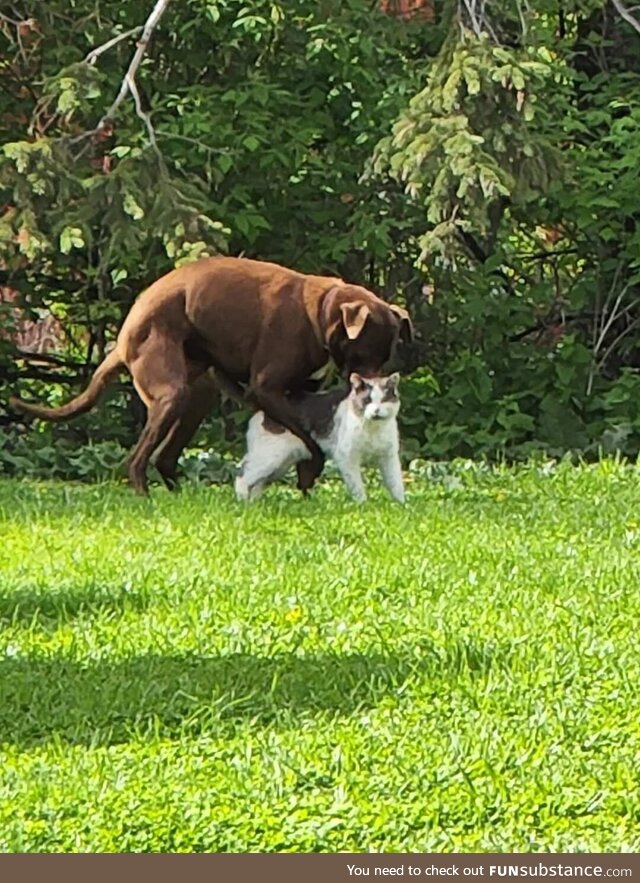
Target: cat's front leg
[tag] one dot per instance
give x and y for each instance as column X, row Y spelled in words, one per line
column 391, row 471
column 248, row 486
column 352, row 476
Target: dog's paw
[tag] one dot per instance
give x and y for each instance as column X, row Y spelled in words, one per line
column 307, row 475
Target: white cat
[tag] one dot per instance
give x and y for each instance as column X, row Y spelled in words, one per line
column 354, row 427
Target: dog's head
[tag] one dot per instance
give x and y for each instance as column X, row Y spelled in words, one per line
column 375, row 398
column 361, row 330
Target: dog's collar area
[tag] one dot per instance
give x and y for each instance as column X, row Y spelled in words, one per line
column 323, row 321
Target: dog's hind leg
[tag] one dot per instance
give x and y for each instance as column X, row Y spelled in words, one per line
column 203, row 395
column 160, row 378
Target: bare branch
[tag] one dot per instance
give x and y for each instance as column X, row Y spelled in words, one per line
column 10, row 21
column 196, row 141
column 128, row 84
column 144, row 116
column 470, row 7
column 624, row 333
column 46, row 359
column 149, row 27
column 476, row 14
column 523, row 23
column 547, row 253
column 604, row 324
column 97, row 52
column 626, row 15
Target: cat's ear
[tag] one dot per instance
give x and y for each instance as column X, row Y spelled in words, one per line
column 392, row 383
column 357, row 382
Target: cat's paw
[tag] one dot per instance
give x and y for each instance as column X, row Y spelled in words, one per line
column 242, row 489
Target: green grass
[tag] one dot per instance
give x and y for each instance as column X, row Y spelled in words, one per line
column 184, row 674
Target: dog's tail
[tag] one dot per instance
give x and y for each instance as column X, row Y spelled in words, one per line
column 82, row 403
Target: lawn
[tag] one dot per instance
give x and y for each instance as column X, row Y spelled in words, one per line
column 461, row 674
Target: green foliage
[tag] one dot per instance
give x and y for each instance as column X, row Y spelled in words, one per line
column 265, row 133
column 480, row 169
column 197, row 686
column 471, row 410
column 52, row 458
column 520, row 153
column 47, row 457
column 263, row 120
column 448, row 147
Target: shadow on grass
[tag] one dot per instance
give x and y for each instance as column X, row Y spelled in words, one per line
column 113, row 701
column 58, row 605
column 110, row 702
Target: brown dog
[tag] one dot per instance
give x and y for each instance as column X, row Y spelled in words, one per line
column 252, row 322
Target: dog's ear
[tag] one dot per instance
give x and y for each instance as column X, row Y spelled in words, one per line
column 357, row 382
column 354, row 315
column 407, row 333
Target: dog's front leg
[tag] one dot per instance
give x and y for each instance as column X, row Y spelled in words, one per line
column 276, row 406
column 307, row 476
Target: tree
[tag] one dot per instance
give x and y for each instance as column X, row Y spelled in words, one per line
column 477, row 163
column 518, row 149
column 233, row 128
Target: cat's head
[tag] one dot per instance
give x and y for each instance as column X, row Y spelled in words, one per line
column 375, row 398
